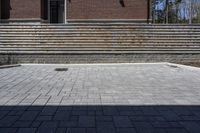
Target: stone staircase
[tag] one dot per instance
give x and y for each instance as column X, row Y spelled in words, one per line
column 98, row 42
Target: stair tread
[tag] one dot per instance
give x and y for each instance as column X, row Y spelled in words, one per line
column 102, row 38
column 184, row 51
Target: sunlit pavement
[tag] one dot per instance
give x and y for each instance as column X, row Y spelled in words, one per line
column 100, row 98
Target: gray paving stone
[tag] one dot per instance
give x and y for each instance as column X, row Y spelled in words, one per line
column 79, row 112
column 138, row 118
column 105, row 127
column 8, row 130
column 35, row 108
column 48, row 126
column 22, row 124
column 175, row 130
column 91, row 130
column 170, row 115
column 26, row 130
column 44, row 118
column 160, row 124
column 144, row 127
column 190, row 118
column 110, row 111
column 3, row 114
column 108, row 98
column 74, row 118
column 61, row 115
column 48, row 110
column 61, row 130
column 76, row 130
column 122, row 121
column 36, row 124
column 29, row 115
column 86, row 121
column 65, row 108
column 176, row 124
column 8, row 121
column 126, row 130
column 17, row 113
column 191, row 127
column 104, row 118
column 68, row 124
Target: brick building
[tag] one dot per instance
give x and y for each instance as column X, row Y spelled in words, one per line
column 63, row 11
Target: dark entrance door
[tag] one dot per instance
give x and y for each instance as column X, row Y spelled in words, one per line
column 56, row 11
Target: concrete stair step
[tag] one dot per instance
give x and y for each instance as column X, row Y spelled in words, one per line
column 94, row 35
column 101, row 25
column 107, row 38
column 106, row 32
column 102, row 41
column 100, row 49
column 147, row 51
column 97, row 43
column 98, row 29
column 136, row 38
column 90, row 48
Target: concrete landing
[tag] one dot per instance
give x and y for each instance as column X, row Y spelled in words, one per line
column 100, row 98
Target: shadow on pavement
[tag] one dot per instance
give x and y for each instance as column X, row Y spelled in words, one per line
column 100, row 119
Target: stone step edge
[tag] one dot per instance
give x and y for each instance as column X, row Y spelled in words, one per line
column 9, row 66
column 93, row 43
column 102, row 52
column 121, row 32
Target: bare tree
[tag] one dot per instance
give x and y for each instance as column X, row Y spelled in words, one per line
column 190, row 11
column 167, row 12
column 176, row 11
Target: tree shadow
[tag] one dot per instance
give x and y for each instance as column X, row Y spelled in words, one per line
column 100, row 119
column 5, row 9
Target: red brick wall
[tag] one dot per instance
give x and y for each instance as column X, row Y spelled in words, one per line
column 77, row 9
column 107, row 9
column 21, row 9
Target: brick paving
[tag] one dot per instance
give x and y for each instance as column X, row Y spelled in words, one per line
column 123, row 98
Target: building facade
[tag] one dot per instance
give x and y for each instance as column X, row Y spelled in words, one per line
column 64, row 11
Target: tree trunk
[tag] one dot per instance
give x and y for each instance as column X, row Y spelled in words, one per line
column 154, row 11
column 167, row 12
column 190, row 12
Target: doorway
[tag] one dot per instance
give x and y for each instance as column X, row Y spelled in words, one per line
column 57, row 11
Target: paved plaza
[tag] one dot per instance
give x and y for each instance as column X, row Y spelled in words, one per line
column 109, row 98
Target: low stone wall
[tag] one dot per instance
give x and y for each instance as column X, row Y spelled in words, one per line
column 98, row 58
